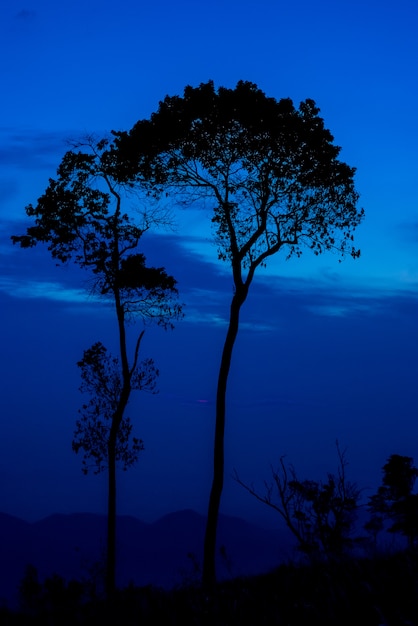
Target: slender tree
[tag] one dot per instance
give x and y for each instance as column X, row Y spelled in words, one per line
column 80, row 218
column 272, row 175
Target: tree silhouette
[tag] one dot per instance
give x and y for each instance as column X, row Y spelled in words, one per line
column 320, row 514
column 80, row 218
column 272, row 175
column 395, row 501
column 102, row 380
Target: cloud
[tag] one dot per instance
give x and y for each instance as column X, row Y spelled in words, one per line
column 8, row 189
column 206, row 288
column 332, row 310
column 31, row 149
column 409, row 232
column 408, row 275
column 32, row 289
column 25, row 15
column 204, row 318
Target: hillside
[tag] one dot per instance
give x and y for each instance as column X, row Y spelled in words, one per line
column 165, row 553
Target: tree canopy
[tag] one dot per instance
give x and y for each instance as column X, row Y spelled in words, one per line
column 270, row 170
column 80, row 218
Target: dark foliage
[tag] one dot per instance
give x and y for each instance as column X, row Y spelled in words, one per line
column 80, row 218
column 376, row 591
column 270, row 171
column 395, row 501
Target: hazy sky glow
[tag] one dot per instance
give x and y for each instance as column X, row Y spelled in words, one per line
column 326, row 350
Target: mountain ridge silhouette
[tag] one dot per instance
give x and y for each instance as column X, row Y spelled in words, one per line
column 165, row 553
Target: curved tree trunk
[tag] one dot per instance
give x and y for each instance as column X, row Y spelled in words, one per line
column 209, row 569
column 110, row 583
column 111, row 507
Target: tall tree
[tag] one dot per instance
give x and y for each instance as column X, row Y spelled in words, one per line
column 271, row 173
column 80, row 218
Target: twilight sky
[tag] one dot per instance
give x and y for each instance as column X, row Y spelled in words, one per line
column 326, row 350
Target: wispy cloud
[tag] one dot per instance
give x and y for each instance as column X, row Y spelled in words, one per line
column 8, row 189
column 32, row 289
column 205, row 318
column 409, row 276
column 335, row 310
column 273, row 301
column 31, row 149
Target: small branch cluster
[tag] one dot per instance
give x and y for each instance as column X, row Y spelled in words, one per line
column 102, row 380
column 320, row 514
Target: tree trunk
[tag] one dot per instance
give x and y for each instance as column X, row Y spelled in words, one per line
column 209, row 568
column 111, row 524
column 111, row 451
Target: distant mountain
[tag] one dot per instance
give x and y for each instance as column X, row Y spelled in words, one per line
column 165, row 553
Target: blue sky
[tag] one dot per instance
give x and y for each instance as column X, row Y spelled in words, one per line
column 326, row 350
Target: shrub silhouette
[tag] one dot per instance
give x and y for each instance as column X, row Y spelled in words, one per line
column 320, row 514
